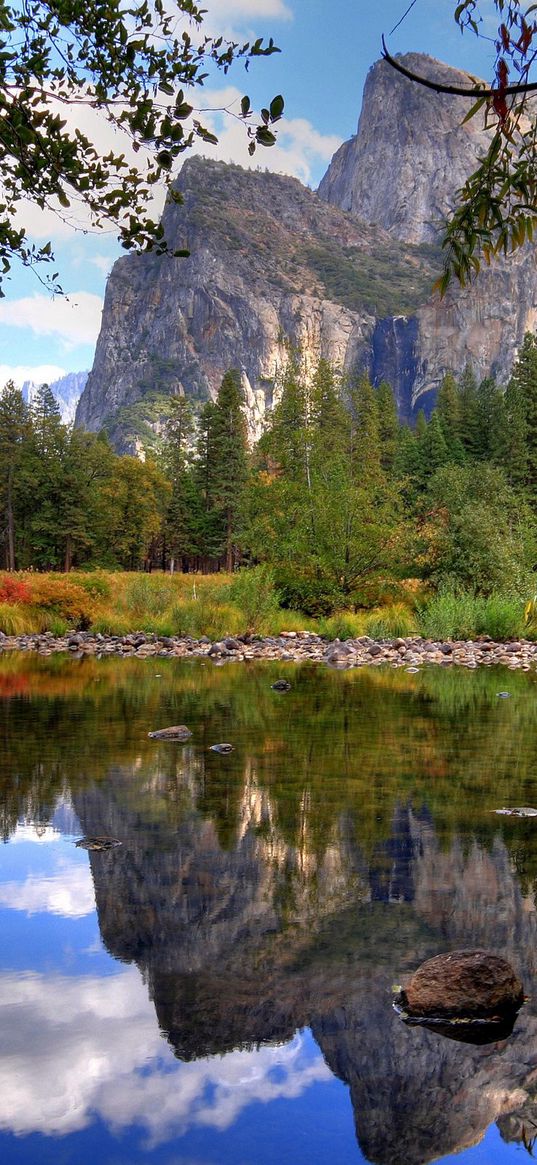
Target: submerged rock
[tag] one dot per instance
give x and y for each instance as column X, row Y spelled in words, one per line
column 463, row 985
column 524, row 811
column 281, row 686
column 176, row 732
column 223, row 748
column 98, row 844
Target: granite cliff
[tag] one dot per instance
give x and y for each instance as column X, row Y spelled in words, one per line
column 346, row 273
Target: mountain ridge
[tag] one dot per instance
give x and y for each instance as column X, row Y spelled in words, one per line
column 274, row 264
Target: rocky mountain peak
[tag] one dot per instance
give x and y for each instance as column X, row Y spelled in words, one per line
column 411, row 151
column 345, row 274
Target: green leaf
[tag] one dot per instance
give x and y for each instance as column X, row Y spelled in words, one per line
column 474, row 109
column 276, row 107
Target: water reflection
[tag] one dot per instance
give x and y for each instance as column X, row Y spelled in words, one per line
column 286, row 886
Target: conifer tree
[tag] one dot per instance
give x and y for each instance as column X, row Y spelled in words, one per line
column 286, row 443
column 230, row 471
column 448, row 408
column 45, row 465
column 329, row 419
column 177, row 461
column 469, row 411
column 365, row 431
column 388, row 422
column 14, row 435
column 523, row 385
column 434, row 446
column 491, row 419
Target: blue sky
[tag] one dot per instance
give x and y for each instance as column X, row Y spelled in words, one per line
column 327, row 49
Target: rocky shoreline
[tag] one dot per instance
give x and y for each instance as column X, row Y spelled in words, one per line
column 289, row 646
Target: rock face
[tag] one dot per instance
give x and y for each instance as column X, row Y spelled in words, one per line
column 271, row 265
column 345, row 274
column 67, row 391
column 421, row 132
column 464, row 983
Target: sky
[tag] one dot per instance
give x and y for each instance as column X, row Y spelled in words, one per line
column 326, row 51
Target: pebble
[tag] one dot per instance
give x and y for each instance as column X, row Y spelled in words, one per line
column 293, row 647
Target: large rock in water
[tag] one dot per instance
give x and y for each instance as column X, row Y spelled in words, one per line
column 470, row 984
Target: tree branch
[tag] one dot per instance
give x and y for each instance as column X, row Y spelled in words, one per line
column 456, row 90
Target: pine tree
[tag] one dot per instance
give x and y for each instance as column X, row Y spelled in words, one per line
column 365, row 431
column 328, row 417
column 469, row 412
column 389, row 428
column 434, row 446
column 230, row 472
column 513, row 449
column 448, row 408
column 49, row 443
column 491, row 419
column 286, row 443
column 523, row 385
column 179, row 541
column 14, row 439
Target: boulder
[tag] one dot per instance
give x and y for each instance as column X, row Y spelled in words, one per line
column 176, row 732
column 470, row 984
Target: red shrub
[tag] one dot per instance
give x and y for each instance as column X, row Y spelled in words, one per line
column 13, row 590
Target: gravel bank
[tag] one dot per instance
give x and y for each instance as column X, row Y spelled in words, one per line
column 289, row 646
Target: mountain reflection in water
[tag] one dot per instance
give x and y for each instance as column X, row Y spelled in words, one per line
column 286, row 886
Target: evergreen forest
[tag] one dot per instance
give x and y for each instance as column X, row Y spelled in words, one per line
column 345, row 506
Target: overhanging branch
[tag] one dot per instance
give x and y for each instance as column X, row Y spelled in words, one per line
column 456, row 90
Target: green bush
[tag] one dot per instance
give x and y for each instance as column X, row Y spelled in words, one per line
column 318, row 597
column 149, row 594
column 254, row 591
column 95, row 584
column 460, row 615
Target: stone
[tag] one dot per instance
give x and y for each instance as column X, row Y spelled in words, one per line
column 175, row 732
column 221, row 748
column 524, row 811
column 281, row 686
column 466, row 984
column 97, row 844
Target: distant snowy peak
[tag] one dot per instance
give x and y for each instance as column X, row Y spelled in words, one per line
column 67, row 391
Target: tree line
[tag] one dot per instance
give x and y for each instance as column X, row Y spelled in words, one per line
column 338, row 497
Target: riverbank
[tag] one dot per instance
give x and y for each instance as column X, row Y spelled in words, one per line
column 288, row 646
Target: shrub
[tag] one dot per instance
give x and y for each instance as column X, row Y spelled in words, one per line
column 13, row 590
column 95, row 584
column 344, row 625
column 198, row 617
column 254, row 591
column 460, row 615
column 390, row 621
column 149, row 594
column 58, row 595
column 314, row 596
column 17, row 620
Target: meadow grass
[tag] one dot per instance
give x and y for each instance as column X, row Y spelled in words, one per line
column 217, row 605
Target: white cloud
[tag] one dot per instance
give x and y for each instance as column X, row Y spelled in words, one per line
column 38, row 373
column 67, row 891
column 299, row 150
column 73, row 319
column 75, row 1047
column 37, row 834
column 103, row 263
column 252, row 9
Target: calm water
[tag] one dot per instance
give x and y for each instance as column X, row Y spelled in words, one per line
column 218, row 988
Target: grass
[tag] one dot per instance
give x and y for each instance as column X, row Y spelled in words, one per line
column 221, row 604
column 449, row 615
